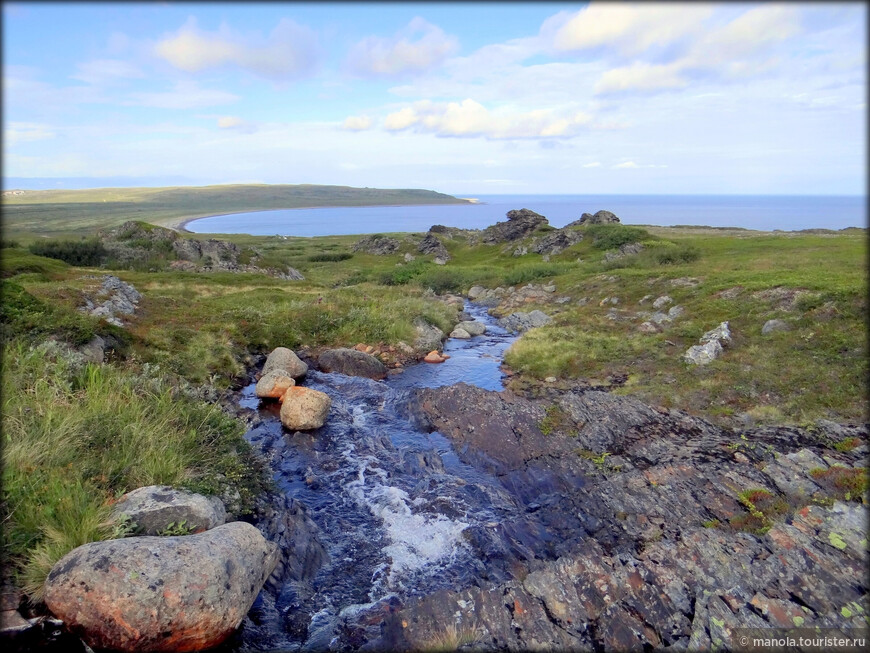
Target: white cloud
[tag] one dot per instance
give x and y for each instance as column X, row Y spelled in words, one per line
column 402, row 54
column 471, row 119
column 290, row 51
column 627, row 164
column 640, row 76
column 629, row 28
column 594, row 164
column 357, row 123
column 106, row 71
column 25, row 132
column 184, row 95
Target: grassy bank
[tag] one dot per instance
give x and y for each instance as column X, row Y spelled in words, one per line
column 74, row 212
column 76, row 435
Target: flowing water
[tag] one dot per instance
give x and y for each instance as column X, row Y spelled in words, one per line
column 392, row 502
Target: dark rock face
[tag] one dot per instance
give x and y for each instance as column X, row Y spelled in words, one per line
column 352, row 363
column 161, row 593
column 600, row 217
column 520, row 224
column 214, row 253
column 431, row 245
column 555, row 242
column 644, row 537
column 376, row 244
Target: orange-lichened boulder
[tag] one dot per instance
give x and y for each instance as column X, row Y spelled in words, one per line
column 435, row 357
column 274, row 384
column 303, row 409
column 184, row 593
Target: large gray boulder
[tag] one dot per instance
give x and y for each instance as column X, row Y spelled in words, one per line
column 285, row 360
column 553, row 243
column 711, row 346
column 154, row 507
column 429, row 336
column 473, row 327
column 431, row 245
column 273, row 384
column 184, row 593
column 352, row 363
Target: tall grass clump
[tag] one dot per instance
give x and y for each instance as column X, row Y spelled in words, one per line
column 527, row 273
column 76, row 435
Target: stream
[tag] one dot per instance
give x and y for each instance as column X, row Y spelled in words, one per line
column 395, row 506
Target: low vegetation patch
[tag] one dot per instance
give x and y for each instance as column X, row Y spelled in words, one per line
column 78, row 435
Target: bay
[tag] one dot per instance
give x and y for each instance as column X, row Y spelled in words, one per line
column 760, row 212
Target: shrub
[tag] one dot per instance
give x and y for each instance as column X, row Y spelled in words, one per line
column 442, row 280
column 88, row 252
column 22, row 314
column 613, row 236
column 527, row 273
column 330, row 257
column 676, row 255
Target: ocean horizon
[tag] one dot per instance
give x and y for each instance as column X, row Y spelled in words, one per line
column 757, row 212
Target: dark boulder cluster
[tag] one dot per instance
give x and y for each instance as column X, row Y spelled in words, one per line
column 376, row 244
column 520, row 224
column 600, row 217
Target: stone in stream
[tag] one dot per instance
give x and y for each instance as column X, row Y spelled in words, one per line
column 435, row 357
column 472, row 327
column 273, row 384
column 285, row 360
column 184, row 593
column 154, row 507
column 352, row 363
column 303, row 409
column 462, row 334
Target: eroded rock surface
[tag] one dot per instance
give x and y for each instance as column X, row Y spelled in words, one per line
column 184, row 593
column 520, row 224
column 155, row 507
column 352, row 363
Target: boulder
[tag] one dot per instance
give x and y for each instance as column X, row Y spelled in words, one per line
column 376, row 244
column 435, row 357
column 153, row 508
column 521, row 321
column 774, row 325
column 352, row 363
column 428, row 336
column 664, row 300
column 475, row 291
column 273, row 384
column 184, row 593
column 303, row 409
column 720, row 333
column 520, row 224
column 285, row 360
column 473, row 327
column 711, row 346
column 462, row 334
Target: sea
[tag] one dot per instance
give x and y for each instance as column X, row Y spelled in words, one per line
column 758, row 212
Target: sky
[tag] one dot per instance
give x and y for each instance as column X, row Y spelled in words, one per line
column 463, row 98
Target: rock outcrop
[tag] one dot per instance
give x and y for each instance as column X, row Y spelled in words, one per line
column 304, row 409
column 600, row 217
column 114, row 298
column 285, row 360
column 152, row 509
column 352, row 363
column 553, row 243
column 520, row 224
column 711, row 347
column 431, row 245
column 376, row 244
column 642, row 527
column 428, row 337
column 184, row 593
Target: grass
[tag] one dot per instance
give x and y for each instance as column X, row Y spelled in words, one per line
column 75, row 436
column 65, row 212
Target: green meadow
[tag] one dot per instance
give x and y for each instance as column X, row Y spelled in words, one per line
column 77, row 434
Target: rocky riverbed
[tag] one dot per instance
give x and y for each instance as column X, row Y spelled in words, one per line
column 424, row 517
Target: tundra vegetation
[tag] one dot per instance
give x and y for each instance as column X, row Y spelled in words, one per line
column 78, row 434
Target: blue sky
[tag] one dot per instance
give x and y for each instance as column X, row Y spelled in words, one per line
column 463, row 98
